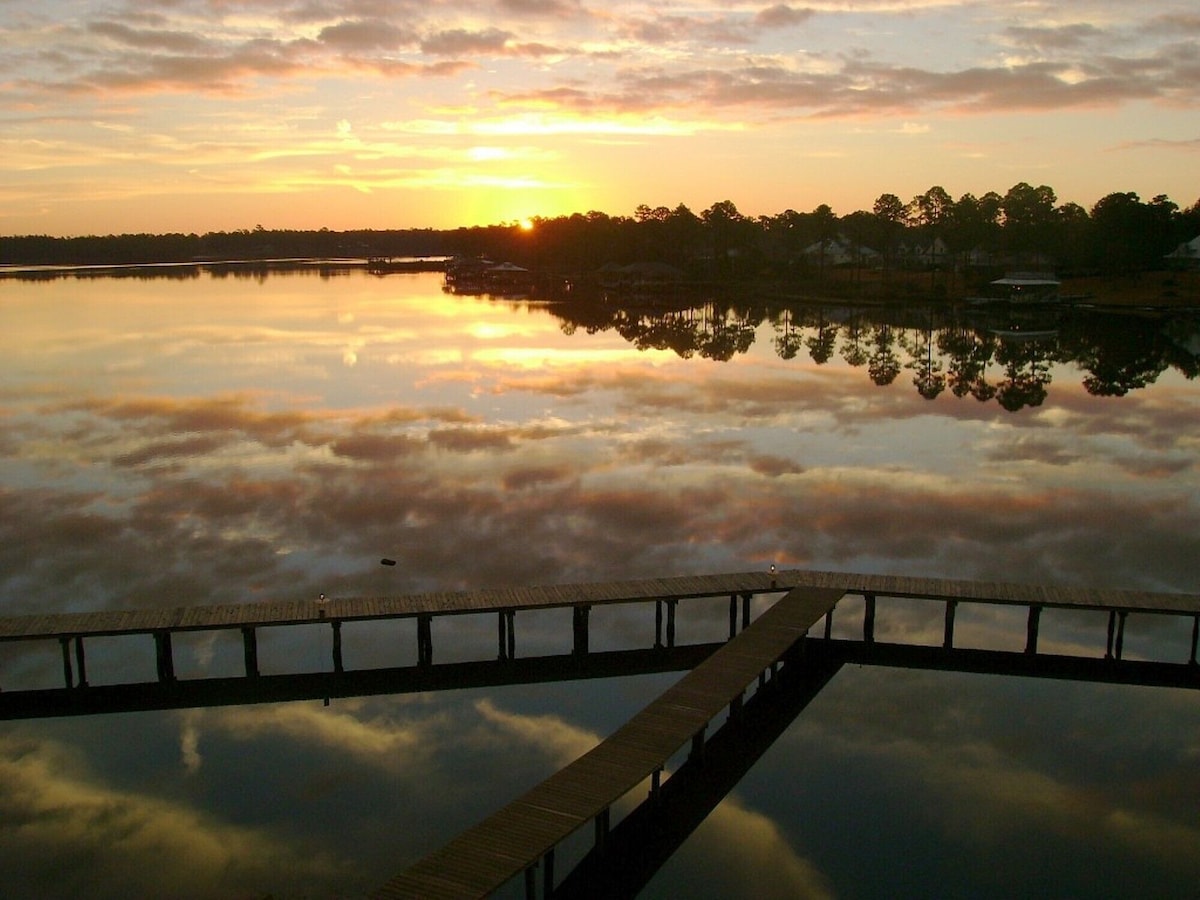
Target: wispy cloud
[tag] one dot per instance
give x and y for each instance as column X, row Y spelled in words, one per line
column 96, row 838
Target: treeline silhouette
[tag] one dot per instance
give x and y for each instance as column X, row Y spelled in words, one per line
column 1120, row 234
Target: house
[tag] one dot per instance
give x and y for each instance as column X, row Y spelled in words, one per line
column 932, row 254
column 840, row 252
column 1186, row 255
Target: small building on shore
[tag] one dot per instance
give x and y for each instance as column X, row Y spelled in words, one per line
column 1028, row 287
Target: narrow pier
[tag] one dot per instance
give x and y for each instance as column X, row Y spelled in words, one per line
column 525, row 832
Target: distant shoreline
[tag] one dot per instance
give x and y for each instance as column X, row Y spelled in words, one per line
column 1146, row 290
column 405, row 263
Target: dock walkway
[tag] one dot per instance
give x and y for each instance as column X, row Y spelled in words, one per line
column 445, row 603
column 486, row 857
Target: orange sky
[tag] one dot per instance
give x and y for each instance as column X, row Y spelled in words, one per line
column 199, row 115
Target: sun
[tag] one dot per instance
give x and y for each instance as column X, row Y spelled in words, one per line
column 525, row 224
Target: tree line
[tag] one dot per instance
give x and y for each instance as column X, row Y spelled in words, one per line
column 1026, row 226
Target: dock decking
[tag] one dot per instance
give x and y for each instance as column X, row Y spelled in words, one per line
column 297, row 612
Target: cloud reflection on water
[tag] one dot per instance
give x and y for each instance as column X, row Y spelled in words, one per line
column 203, row 442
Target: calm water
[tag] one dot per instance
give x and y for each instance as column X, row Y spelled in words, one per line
column 175, row 441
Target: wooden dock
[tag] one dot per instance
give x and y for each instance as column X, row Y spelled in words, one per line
column 523, row 836
column 299, row 612
column 526, row 831
column 72, row 630
column 349, row 609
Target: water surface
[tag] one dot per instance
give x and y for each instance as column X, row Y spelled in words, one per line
column 179, row 440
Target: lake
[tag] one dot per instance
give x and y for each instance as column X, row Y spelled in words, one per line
column 194, row 437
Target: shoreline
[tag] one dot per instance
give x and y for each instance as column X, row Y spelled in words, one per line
column 1161, row 290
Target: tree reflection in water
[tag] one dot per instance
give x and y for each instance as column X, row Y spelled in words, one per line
column 1001, row 352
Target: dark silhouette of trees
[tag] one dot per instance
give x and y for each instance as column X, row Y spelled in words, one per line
column 1128, row 235
column 891, row 215
column 1023, row 228
column 1028, row 221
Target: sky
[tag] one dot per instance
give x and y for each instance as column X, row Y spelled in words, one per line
column 207, row 115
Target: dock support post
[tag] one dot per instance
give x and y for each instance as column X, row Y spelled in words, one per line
column 337, row 645
column 697, row 752
column 671, row 622
column 1116, row 634
column 579, row 628
column 948, row 635
column 658, row 624
column 68, row 674
column 733, row 613
column 829, row 624
column 656, row 784
column 1031, row 630
column 869, row 619
column 250, row 650
column 507, row 635
column 80, row 661
column 602, row 828
column 548, row 874
column 162, row 652
column 424, row 639
column 531, row 882
column 1195, row 638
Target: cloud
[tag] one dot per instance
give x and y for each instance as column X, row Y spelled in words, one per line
column 965, row 770
column 527, row 477
column 1063, row 37
column 555, row 9
column 178, row 450
column 782, row 16
column 1045, row 451
column 465, row 440
column 345, row 731
column 550, row 734
column 378, row 448
column 459, row 42
column 737, row 851
column 1188, row 146
column 365, row 35
column 154, row 40
column 189, row 745
column 68, row 834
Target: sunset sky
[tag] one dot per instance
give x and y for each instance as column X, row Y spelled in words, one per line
column 204, row 115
